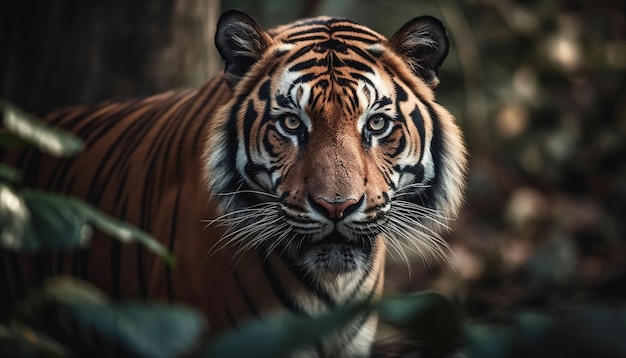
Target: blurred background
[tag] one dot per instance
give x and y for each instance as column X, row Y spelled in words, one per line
column 538, row 88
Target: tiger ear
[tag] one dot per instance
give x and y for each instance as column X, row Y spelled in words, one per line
column 240, row 41
column 424, row 44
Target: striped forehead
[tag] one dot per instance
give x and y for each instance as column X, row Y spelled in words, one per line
column 356, row 91
column 326, row 60
column 325, row 28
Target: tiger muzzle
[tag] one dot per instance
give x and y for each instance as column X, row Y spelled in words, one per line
column 335, row 209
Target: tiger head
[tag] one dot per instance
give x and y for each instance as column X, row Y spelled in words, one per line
column 332, row 147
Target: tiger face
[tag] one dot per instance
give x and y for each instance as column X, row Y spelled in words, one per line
column 333, row 148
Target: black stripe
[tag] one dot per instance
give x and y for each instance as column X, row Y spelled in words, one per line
column 279, row 289
column 30, row 173
column 173, row 144
column 307, row 37
column 39, row 270
column 249, row 118
column 168, row 270
column 299, row 53
column 115, row 262
column 353, row 30
column 209, row 100
column 359, row 39
column 401, row 141
column 231, row 317
column 308, row 282
column 147, row 197
column 143, row 288
column 17, row 274
column 433, row 190
column 363, row 54
column 80, row 264
column 12, row 283
column 303, row 65
column 60, row 262
column 418, row 121
column 309, row 31
column 249, row 303
column 359, row 66
column 7, row 287
column 48, row 267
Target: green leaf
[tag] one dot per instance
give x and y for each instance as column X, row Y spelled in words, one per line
column 123, row 231
column 31, row 129
column 15, row 220
column 427, row 317
column 37, row 220
column 8, row 174
column 17, row 340
column 281, row 335
column 56, row 222
column 10, row 140
column 82, row 319
column 588, row 331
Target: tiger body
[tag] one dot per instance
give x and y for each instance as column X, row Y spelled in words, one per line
column 280, row 184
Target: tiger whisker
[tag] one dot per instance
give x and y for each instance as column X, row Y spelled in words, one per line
column 418, row 209
column 245, row 223
column 411, row 234
column 248, row 191
column 405, row 189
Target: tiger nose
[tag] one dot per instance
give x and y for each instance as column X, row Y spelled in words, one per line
column 334, row 209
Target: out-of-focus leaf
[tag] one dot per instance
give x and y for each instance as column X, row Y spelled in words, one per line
column 56, row 222
column 123, row 231
column 80, row 317
column 427, row 317
column 48, row 139
column 37, row 220
column 575, row 333
column 8, row 174
column 14, row 218
column 20, row 341
column 10, row 140
column 281, row 335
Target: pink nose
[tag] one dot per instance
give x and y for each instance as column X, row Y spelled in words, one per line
column 335, row 209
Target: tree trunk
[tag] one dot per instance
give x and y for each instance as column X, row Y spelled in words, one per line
column 63, row 52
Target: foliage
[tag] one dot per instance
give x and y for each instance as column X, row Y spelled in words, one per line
column 32, row 220
column 35, row 221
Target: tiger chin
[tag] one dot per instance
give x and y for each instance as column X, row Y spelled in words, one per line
column 332, row 151
column 279, row 185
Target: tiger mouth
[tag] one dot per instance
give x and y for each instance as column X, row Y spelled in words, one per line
column 336, row 253
column 337, row 239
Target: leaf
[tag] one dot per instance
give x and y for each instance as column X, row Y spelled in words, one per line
column 281, row 335
column 8, row 174
column 31, row 129
column 427, row 317
column 37, row 220
column 123, row 231
column 10, row 140
column 17, row 340
column 55, row 223
column 581, row 332
column 15, row 218
column 84, row 320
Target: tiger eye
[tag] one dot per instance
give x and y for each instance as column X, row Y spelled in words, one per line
column 291, row 122
column 376, row 123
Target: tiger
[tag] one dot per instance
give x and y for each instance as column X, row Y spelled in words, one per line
column 279, row 186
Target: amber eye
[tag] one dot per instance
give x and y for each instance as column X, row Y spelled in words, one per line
column 377, row 123
column 291, row 123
